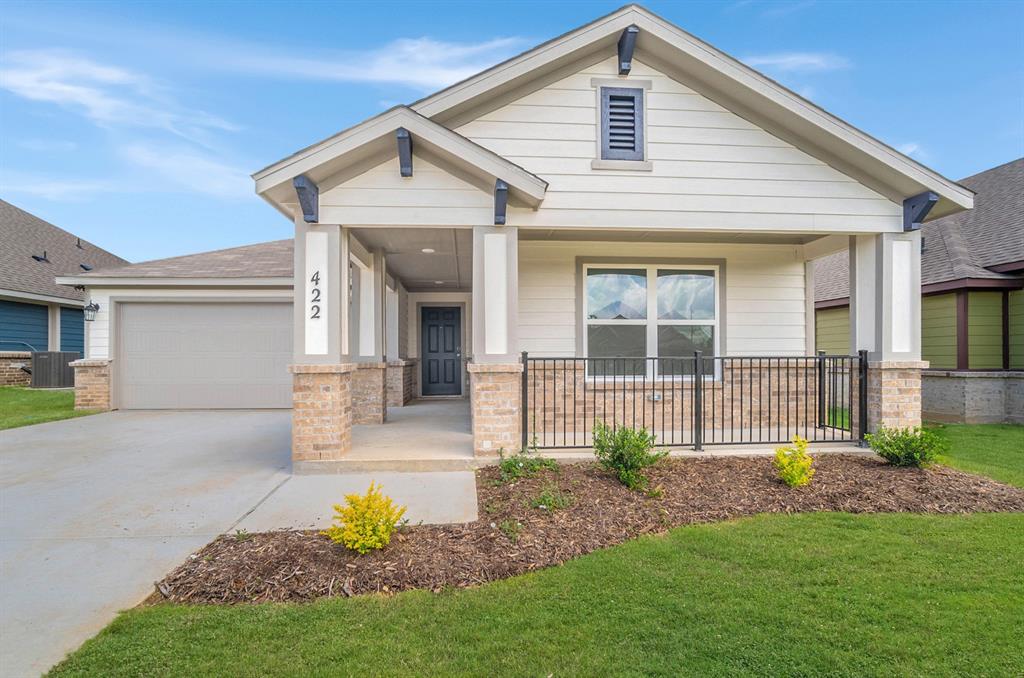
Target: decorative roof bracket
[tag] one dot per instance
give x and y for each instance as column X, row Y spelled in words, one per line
column 309, row 198
column 627, row 41
column 500, row 202
column 915, row 209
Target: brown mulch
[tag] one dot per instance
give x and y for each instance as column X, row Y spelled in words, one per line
column 297, row 566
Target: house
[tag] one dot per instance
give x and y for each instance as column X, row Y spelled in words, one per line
column 972, row 304
column 37, row 314
column 615, row 225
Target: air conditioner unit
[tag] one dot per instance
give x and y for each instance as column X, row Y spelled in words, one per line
column 51, row 369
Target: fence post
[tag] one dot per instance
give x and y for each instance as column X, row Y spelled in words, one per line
column 820, row 364
column 862, row 395
column 698, row 401
column 524, row 393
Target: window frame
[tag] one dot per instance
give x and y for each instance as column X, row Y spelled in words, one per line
column 652, row 322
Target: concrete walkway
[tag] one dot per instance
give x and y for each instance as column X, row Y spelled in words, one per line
column 94, row 510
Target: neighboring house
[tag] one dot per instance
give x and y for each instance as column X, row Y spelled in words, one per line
column 610, row 202
column 972, row 306
column 37, row 314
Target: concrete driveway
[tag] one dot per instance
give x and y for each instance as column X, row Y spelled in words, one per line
column 94, row 510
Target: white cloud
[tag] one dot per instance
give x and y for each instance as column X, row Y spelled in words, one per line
column 48, row 145
column 109, row 96
column 799, row 62
column 913, row 149
column 190, row 170
column 57, row 190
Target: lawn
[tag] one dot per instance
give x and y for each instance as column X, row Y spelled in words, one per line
column 994, row 450
column 810, row 594
column 24, row 406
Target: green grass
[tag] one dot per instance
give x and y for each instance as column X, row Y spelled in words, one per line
column 24, row 406
column 994, row 450
column 800, row 595
column 839, row 417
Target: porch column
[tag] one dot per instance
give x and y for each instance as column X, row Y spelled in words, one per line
column 885, row 320
column 369, row 388
column 495, row 371
column 322, row 368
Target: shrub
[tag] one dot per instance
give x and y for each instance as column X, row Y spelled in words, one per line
column 906, row 446
column 523, row 465
column 551, row 498
column 626, row 452
column 511, row 529
column 366, row 522
column 794, row 464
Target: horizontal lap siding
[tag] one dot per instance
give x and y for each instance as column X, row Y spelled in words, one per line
column 72, row 330
column 765, row 310
column 833, row 330
column 711, row 168
column 23, row 327
column 985, row 330
column 938, row 330
column 1017, row 330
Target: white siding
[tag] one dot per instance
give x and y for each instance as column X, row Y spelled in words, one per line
column 98, row 332
column 764, row 293
column 710, row 168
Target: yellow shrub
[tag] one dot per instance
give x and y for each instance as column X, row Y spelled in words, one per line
column 794, row 464
column 366, row 522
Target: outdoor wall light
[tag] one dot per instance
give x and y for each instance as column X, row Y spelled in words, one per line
column 427, row 250
column 90, row 311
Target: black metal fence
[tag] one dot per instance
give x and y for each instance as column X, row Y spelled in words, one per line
column 695, row 400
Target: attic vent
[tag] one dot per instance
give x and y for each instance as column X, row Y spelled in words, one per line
column 622, row 123
column 41, row 258
column 85, row 267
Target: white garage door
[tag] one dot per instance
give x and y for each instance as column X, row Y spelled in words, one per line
column 204, row 356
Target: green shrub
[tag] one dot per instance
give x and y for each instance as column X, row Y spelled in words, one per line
column 551, row 498
column 366, row 521
column 626, row 452
column 794, row 464
column 906, row 446
column 511, row 529
column 523, row 465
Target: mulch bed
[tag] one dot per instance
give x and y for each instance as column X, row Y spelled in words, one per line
column 299, row 566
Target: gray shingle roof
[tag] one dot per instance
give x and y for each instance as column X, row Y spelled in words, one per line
column 262, row 260
column 23, row 235
column 958, row 246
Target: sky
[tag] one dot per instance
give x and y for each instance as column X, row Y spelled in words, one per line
column 136, row 126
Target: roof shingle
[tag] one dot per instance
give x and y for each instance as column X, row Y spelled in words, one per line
column 262, row 260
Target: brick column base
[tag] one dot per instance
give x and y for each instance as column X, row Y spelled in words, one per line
column 894, row 394
column 495, row 395
column 401, row 381
column 370, row 393
column 11, row 363
column 92, row 384
column 322, row 411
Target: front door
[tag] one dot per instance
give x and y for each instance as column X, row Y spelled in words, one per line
column 441, row 350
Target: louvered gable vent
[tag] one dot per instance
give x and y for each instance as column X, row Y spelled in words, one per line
column 622, row 125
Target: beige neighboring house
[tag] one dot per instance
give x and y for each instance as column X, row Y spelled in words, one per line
column 553, row 239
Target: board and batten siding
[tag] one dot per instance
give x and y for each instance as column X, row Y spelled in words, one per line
column 710, row 167
column 764, row 300
column 832, row 327
column 938, row 331
column 98, row 344
column 985, row 330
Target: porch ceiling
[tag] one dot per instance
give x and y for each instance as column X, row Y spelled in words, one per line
column 451, row 262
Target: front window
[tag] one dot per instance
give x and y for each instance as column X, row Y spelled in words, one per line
column 657, row 311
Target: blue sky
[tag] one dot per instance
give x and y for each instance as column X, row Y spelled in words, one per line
column 137, row 125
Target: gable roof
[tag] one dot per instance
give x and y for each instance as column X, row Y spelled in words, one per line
column 344, row 155
column 958, row 247
column 263, row 260
column 24, row 235
column 718, row 76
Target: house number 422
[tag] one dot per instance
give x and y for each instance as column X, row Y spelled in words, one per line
column 314, row 296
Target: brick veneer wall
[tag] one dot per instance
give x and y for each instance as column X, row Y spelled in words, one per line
column 369, row 393
column 92, row 384
column 401, row 382
column 894, row 394
column 11, row 373
column 495, row 395
column 321, row 411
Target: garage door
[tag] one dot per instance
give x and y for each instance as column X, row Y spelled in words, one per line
column 204, row 356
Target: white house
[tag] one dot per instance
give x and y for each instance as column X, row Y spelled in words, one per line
column 609, row 202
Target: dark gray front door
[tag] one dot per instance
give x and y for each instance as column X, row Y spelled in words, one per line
column 441, row 354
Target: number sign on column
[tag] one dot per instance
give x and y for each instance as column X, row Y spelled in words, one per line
column 316, row 293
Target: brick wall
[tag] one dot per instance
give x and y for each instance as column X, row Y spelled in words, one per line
column 401, row 382
column 92, row 384
column 11, row 373
column 894, row 394
column 369, row 393
column 495, row 394
column 321, row 412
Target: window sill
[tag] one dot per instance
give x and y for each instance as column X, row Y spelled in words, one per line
column 632, row 165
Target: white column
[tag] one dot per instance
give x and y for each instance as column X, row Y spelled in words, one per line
column 372, row 282
column 321, row 293
column 495, row 294
column 885, row 295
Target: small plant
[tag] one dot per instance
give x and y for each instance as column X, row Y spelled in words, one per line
column 511, row 529
column 794, row 464
column 366, row 521
column 906, row 446
column 243, row 535
column 626, row 452
column 523, row 465
column 551, row 498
